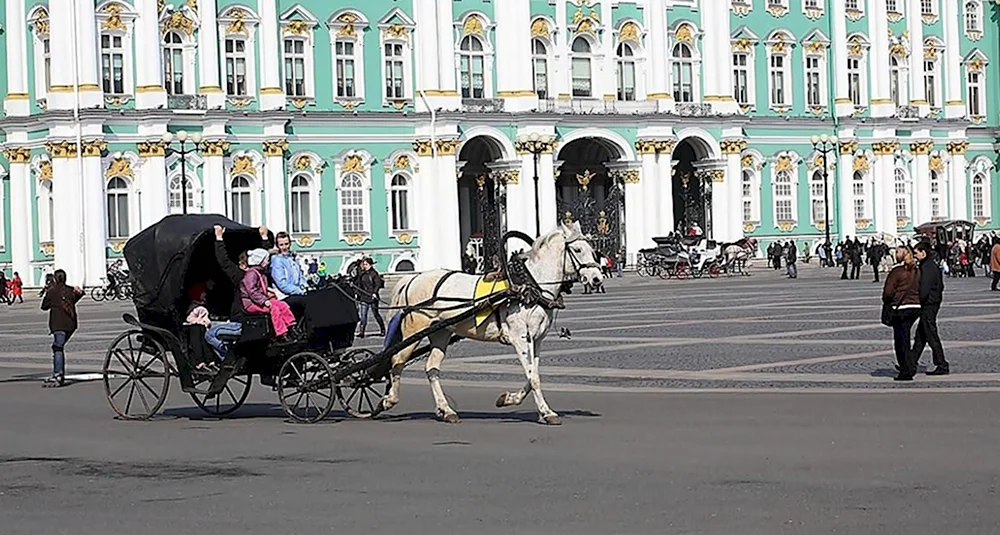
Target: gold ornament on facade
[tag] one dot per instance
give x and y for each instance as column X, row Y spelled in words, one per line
column 297, row 27
column 746, row 162
column 347, row 21
column 302, row 163
column 784, row 163
column 602, row 223
column 630, row 176
column 921, row 147
column 276, row 147
column 398, row 31
column 936, row 163
column 214, row 148
column 61, row 149
column 540, row 28
column 149, row 149
column 404, row 238
column 120, row 167
column 717, row 175
column 861, row 163
column 402, row 162
column 299, row 102
column 848, row 147
column 629, row 32
column 117, row 246
column 17, row 154
column 42, row 22
column 510, row 176
column 885, row 148
column 820, row 225
column 813, row 13
column 94, row 147
column 45, row 170
column 898, row 50
column 854, row 14
column 749, row 226
column 472, row 26
column 976, row 65
column 929, row 18
column 684, row 34
column 855, row 46
column 447, row 147
column 786, row 226
column 817, row 110
column 777, row 10
column 240, row 102
column 665, row 146
column 742, row 45
column 423, row 147
column 957, row 147
column 901, row 222
column 353, row 164
column 930, row 52
column 114, row 20
column 193, row 4
column 480, row 180
column 741, row 8
column 355, row 239
column 862, row 224
column 733, row 146
column 238, row 24
column 645, row 146
column 243, row 165
column 160, row 6
column 584, row 179
column 305, row 241
column 816, row 47
column 48, row 248
column 778, row 46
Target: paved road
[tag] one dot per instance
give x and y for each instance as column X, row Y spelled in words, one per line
column 746, row 405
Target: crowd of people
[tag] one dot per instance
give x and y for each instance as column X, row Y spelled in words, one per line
column 786, row 252
column 11, row 290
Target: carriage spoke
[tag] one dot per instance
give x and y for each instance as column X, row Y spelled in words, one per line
column 119, row 357
column 119, row 389
column 142, row 398
column 131, row 391
column 151, row 391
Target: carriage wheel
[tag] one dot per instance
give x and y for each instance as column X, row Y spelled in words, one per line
column 682, row 271
column 98, row 294
column 642, row 270
column 136, row 375
column 665, row 272
column 305, row 388
column 360, row 394
column 232, row 397
column 713, row 271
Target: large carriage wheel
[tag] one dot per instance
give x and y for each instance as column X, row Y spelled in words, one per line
column 682, row 270
column 136, row 375
column 360, row 394
column 232, row 397
column 305, row 388
column 665, row 272
column 713, row 270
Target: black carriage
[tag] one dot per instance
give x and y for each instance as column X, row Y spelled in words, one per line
column 942, row 233
column 179, row 252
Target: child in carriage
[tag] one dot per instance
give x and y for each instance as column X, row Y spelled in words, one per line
column 258, row 299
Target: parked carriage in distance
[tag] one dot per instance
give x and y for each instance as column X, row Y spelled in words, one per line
column 941, row 233
column 680, row 257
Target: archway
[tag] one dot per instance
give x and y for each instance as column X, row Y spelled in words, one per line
column 692, row 187
column 482, row 203
column 589, row 192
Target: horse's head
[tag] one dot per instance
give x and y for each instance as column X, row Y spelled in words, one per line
column 569, row 252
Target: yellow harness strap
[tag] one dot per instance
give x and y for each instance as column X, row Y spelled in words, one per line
column 485, row 289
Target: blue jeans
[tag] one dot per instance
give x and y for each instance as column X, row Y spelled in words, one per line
column 363, row 309
column 59, row 339
column 228, row 328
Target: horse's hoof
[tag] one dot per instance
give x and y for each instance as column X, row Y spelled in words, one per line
column 502, row 400
column 452, row 418
column 552, row 419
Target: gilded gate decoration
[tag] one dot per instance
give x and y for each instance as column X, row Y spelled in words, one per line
column 491, row 196
column 601, row 219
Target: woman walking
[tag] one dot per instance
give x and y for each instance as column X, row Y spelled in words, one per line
column 16, row 289
column 901, row 308
column 60, row 300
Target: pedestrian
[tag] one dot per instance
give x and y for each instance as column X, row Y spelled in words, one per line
column 367, row 283
column 901, row 308
column 844, row 256
column 16, row 290
column 856, row 250
column 60, row 300
column 48, row 284
column 3, row 287
column 931, row 294
column 791, row 256
column 875, row 253
column 995, row 263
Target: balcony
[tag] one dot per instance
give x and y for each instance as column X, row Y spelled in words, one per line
column 693, row 109
column 482, row 105
column 911, row 113
column 187, row 102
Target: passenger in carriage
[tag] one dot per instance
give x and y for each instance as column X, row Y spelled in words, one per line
column 235, row 273
column 285, row 270
column 258, row 299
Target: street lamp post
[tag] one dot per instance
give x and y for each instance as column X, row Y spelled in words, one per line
column 536, row 145
column 824, row 145
column 182, row 138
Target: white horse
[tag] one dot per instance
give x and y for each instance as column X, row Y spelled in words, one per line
column 739, row 254
column 560, row 256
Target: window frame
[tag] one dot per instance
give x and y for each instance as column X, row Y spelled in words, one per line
column 938, row 201
column 821, row 72
column 232, row 190
column 904, row 198
column 860, row 181
column 405, row 65
column 405, row 191
column 579, row 57
column 39, row 23
column 194, row 207
column 779, row 198
column 107, row 69
column 976, row 67
column 312, row 203
column 933, row 98
column 306, row 57
column 45, row 205
column 168, row 51
column 362, row 206
column 622, row 61
column 117, row 194
column 861, row 71
column 779, row 48
column 976, row 15
column 238, row 22
column 678, row 65
column 747, row 71
column 546, row 58
column 816, row 196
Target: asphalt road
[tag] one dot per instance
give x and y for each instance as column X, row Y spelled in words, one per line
column 746, row 405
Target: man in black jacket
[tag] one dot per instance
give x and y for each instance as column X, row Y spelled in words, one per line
column 367, row 284
column 931, row 290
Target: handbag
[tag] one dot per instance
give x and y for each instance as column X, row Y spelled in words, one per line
column 887, row 314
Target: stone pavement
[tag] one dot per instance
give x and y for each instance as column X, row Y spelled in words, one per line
column 761, row 333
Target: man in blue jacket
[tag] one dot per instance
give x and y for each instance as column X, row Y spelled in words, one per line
column 285, row 270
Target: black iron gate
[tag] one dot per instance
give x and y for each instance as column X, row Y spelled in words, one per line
column 601, row 220
column 491, row 196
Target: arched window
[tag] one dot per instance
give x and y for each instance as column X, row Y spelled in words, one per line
column 581, row 67
column 472, row 67
column 817, row 199
column 936, row 195
column 979, row 197
column 748, row 196
column 399, row 191
column 352, row 204
column 973, row 18
column 118, row 212
column 176, row 193
column 240, row 206
column 405, row 266
column 540, row 67
column 625, row 72
column 901, row 189
column 683, row 72
column 173, row 63
column 301, row 205
column 859, row 190
column 236, row 66
column 46, row 211
column 894, row 79
column 783, row 200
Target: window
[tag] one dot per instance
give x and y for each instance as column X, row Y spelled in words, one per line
column 344, row 60
column 858, row 188
column 625, row 72
column 236, row 67
column 113, row 64
column 399, row 203
column 778, row 76
column 118, row 212
column 811, row 4
column 852, row 4
column 783, row 197
column 817, row 198
column 854, row 80
column 894, row 87
column 394, row 71
column 973, row 17
column 935, row 195
column 927, row 7
column 472, row 67
column 814, row 91
column 352, row 204
column 47, row 55
column 581, row 67
column 540, row 67
column 683, row 73
column 902, row 195
column 741, row 78
column 301, row 205
column 173, row 64
column 240, row 208
column 892, row 6
column 176, row 192
column 46, row 211
column 748, row 191
column 979, row 197
column 295, row 67
column 930, row 82
column 975, row 103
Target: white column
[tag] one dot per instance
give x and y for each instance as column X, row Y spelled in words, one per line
column 60, row 94
column 272, row 96
column 522, row 216
column 883, row 181
column 918, row 94
column 665, row 188
column 213, row 176
column 921, row 150
column 67, row 234
column 513, row 36
column 547, row 192
column 208, row 55
column 155, row 194
column 636, row 185
column 656, row 22
column 734, row 191
column 717, row 67
column 447, row 79
column 20, row 213
column 722, row 207
column 449, row 254
column 275, row 191
column 16, row 101
column 606, row 84
column 426, row 205
column 94, row 214
column 959, row 181
column 561, row 78
column 845, row 192
column 425, row 46
column 954, row 106
column 647, row 204
column 149, row 67
column 878, row 55
column 91, row 94
column 842, row 99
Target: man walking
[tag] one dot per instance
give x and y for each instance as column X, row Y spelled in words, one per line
column 790, row 259
column 995, row 263
column 367, row 283
column 931, row 290
column 856, row 250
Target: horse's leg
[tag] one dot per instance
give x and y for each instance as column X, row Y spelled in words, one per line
column 439, row 343
column 399, row 361
column 548, row 415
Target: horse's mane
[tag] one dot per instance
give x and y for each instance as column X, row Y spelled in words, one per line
column 543, row 241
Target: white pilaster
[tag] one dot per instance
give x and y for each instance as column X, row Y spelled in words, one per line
column 275, row 191
column 272, row 96
column 878, row 74
column 647, row 203
column 208, row 59
column 842, row 99
column 734, row 194
column 91, row 93
column 718, row 62
column 606, row 84
column 20, row 213
column 60, row 95
column 149, row 66
column 954, row 106
column 845, row 193
column 94, row 216
column 449, row 253
column 958, row 195
column 561, row 78
column 426, row 48
column 447, row 77
column 636, row 236
column 918, row 93
column 547, row 192
column 214, row 179
column 656, row 21
column 16, row 101
column 883, row 185
column 68, row 231
column 665, row 189
column 513, row 35
column 921, row 149
column 155, row 195
column 423, row 194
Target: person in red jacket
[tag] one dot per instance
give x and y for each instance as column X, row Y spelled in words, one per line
column 16, row 290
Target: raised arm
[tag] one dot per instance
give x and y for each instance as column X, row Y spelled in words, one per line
column 230, row 268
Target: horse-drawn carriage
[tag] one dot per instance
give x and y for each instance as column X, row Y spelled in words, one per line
column 680, row 257
column 315, row 364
